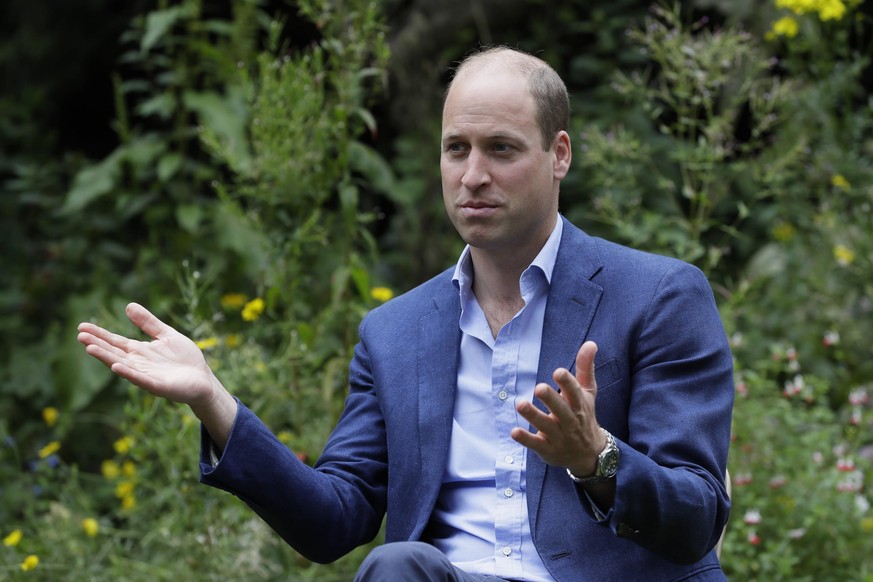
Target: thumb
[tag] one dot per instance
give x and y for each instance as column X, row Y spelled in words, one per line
column 146, row 321
column 585, row 367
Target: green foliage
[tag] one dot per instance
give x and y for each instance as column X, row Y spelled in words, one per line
column 245, row 204
column 800, row 511
column 273, row 298
column 690, row 183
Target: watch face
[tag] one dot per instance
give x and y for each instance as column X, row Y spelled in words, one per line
column 609, row 463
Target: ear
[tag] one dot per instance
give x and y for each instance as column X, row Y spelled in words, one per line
column 563, row 155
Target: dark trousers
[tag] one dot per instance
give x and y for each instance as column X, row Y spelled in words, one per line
column 413, row 562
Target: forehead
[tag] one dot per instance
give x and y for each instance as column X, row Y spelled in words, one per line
column 489, row 99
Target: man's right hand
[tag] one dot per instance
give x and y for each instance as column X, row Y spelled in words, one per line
column 170, row 366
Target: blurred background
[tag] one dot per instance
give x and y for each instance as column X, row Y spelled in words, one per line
column 260, row 174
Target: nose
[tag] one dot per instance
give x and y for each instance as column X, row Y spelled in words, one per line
column 476, row 172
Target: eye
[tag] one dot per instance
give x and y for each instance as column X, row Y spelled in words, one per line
column 501, row 148
column 456, row 148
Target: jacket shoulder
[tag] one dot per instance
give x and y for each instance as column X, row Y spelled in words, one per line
column 413, row 304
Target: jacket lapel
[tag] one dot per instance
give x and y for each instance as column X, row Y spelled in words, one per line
column 439, row 342
column 573, row 300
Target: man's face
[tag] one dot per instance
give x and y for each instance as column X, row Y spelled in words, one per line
column 500, row 187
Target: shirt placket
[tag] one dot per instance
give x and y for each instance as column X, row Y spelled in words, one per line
column 509, row 462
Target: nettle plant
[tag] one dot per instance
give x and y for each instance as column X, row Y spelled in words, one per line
column 687, row 171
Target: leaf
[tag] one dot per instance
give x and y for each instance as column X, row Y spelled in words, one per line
column 367, row 161
column 226, row 119
column 78, row 377
column 348, row 194
column 161, row 105
column 159, row 22
column 168, row 165
column 189, row 217
column 93, row 182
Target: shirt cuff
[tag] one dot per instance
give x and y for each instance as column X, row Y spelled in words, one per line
column 599, row 515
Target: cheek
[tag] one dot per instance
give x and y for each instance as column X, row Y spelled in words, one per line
column 451, row 173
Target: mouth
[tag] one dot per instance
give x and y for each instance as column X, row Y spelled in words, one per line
column 478, row 209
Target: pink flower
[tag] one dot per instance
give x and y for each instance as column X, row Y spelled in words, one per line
column 778, row 481
column 741, row 479
column 830, row 338
column 753, row 538
column 752, row 517
column 845, row 464
column 796, row 534
column 851, row 483
column 858, row 397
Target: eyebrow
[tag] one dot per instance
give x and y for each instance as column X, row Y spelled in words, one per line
column 497, row 136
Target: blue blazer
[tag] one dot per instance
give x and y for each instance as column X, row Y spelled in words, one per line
column 665, row 391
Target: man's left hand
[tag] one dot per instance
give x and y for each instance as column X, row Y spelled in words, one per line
column 568, row 436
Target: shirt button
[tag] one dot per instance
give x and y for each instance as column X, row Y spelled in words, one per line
column 508, row 459
column 507, row 492
column 502, row 395
column 506, row 550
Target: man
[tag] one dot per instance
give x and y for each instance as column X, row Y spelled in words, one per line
column 474, row 418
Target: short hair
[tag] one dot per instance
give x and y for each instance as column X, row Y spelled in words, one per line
column 551, row 99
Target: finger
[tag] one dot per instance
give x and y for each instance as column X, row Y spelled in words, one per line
column 135, row 376
column 585, row 367
column 571, row 392
column 146, row 321
column 536, row 417
column 90, row 333
column 91, row 340
column 557, row 403
column 535, row 442
column 106, row 357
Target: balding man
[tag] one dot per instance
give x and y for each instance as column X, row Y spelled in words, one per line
column 554, row 407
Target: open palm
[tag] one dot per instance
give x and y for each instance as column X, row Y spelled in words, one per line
column 170, row 366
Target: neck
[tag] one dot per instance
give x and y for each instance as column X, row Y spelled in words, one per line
column 496, row 282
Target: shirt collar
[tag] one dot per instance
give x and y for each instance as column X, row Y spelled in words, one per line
column 544, row 261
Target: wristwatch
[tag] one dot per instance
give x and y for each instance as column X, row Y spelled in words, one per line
column 607, row 462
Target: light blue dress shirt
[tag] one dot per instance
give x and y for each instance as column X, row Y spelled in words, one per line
column 481, row 520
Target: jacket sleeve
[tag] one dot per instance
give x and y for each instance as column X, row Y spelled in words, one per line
column 324, row 511
column 670, row 492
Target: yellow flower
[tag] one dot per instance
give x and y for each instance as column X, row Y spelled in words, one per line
column 49, row 449
column 867, row 524
column 826, row 9
column 207, row 343
column 128, row 468
column 124, row 489
column 90, row 526
column 831, row 9
column 253, row 309
column 785, row 26
column 233, row 340
column 233, row 300
column 50, row 415
column 13, row 538
column 840, row 182
column 382, row 294
column 29, row 563
column 122, row 445
column 285, row 436
column 109, row 469
column 844, row 255
column 797, row 6
column 783, row 232
column 128, row 502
